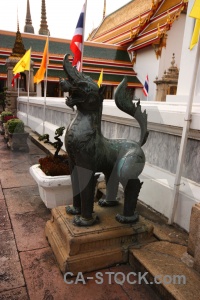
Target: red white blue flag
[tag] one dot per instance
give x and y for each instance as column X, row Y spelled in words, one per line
column 146, row 86
column 77, row 41
column 14, row 79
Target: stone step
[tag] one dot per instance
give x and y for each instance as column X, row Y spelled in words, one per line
column 167, row 273
column 102, row 245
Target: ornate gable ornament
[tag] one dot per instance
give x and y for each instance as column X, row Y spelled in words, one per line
column 154, row 32
column 162, row 41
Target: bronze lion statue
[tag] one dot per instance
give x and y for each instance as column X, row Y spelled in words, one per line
column 120, row 160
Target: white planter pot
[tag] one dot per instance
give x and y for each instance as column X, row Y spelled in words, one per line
column 54, row 190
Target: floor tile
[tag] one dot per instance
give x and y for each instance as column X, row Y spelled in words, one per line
column 10, row 272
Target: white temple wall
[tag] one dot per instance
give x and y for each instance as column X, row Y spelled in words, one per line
column 187, row 64
column 146, row 63
column 173, row 45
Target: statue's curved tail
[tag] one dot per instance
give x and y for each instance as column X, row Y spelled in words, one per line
column 125, row 103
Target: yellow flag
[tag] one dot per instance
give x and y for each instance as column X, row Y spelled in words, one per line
column 39, row 76
column 100, row 78
column 195, row 35
column 195, row 13
column 23, row 64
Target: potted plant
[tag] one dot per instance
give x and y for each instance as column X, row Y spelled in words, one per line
column 3, row 119
column 52, row 174
column 5, row 114
column 17, row 137
column 6, row 134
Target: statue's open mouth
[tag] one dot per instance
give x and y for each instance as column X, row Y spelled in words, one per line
column 76, row 96
column 71, row 102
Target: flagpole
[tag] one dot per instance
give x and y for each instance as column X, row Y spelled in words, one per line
column 45, row 84
column 28, row 87
column 18, row 93
column 84, row 22
column 18, row 85
column 186, row 128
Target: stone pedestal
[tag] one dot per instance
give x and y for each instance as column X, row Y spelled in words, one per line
column 197, row 251
column 18, row 141
column 193, row 233
column 85, row 249
column 11, row 99
column 194, row 236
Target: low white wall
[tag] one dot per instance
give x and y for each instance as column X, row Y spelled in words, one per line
column 162, row 118
column 159, row 113
column 157, row 191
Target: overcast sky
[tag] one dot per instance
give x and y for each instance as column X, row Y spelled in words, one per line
column 62, row 15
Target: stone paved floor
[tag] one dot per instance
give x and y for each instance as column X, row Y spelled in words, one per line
column 28, row 269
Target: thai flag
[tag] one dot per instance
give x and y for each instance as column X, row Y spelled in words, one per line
column 77, row 41
column 14, row 78
column 146, row 86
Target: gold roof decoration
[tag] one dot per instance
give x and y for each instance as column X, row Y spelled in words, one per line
column 169, row 18
column 134, row 30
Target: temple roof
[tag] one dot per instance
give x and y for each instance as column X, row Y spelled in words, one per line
column 160, row 22
column 138, row 23
column 120, row 21
column 114, row 60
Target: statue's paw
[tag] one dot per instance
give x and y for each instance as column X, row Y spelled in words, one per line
column 79, row 221
column 105, row 203
column 73, row 210
column 132, row 219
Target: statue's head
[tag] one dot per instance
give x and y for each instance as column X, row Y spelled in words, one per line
column 83, row 91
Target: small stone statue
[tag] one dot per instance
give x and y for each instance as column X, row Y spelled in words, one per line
column 120, row 160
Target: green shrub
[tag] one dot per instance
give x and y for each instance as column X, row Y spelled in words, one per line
column 15, row 126
column 5, row 114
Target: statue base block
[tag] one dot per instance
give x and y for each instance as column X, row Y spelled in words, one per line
column 85, row 249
